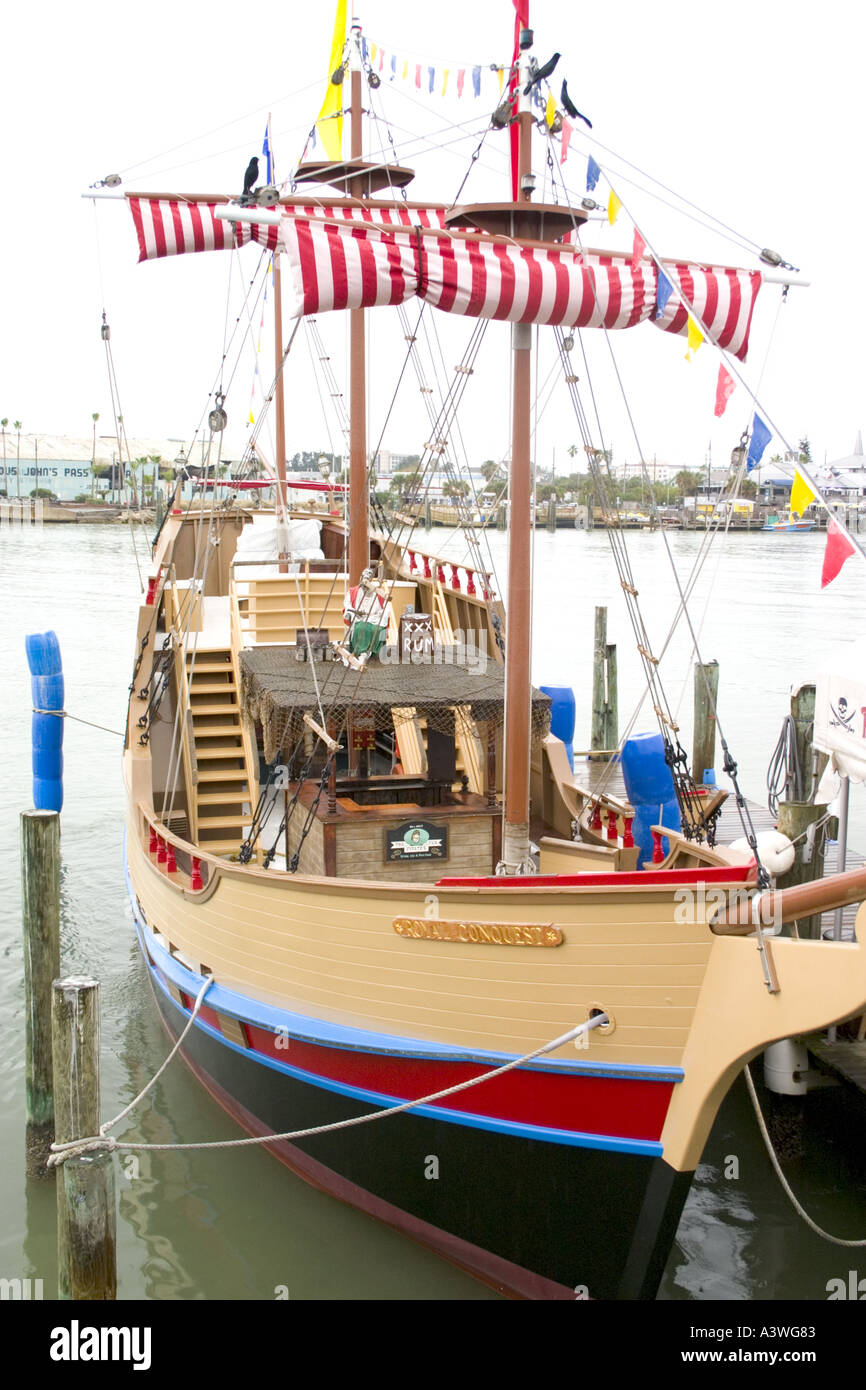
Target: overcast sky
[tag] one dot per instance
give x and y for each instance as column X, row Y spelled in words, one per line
column 752, row 111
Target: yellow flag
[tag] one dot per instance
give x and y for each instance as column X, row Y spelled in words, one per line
column 695, row 337
column 445, row 77
column 330, row 123
column 613, row 206
column 405, row 69
column 550, row 109
column 373, row 51
column 252, row 418
column 501, row 75
column 802, row 496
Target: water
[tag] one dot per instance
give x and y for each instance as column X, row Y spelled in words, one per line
column 237, row 1224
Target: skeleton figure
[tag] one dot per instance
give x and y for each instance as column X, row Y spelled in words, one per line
column 367, row 613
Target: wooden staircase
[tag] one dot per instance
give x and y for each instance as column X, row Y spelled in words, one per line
column 220, row 774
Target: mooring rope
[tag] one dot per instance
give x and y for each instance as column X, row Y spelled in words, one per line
column 786, row 1186
column 105, row 1143
column 64, row 714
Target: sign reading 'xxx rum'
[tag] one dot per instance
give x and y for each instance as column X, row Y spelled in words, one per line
column 479, row 933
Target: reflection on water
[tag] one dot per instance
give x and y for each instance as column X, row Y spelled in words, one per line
column 236, row 1224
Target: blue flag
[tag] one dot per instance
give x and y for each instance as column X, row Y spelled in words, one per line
column 393, row 66
column 476, row 81
column 593, row 174
column 663, row 293
column 761, row 436
column 266, row 151
column 431, row 73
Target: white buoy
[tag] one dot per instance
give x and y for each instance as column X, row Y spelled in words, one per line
column 786, row 1068
column 775, row 850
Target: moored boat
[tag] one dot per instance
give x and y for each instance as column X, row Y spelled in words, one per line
column 348, row 818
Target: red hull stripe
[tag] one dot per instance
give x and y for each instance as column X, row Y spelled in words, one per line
column 589, row 1105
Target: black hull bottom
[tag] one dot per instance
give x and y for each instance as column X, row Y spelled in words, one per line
column 532, row 1219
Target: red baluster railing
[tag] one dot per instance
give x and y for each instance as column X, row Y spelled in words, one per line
column 658, row 852
column 412, row 564
column 595, row 824
column 170, row 861
column 195, row 879
column 627, row 837
column 161, row 855
column 440, row 572
column 427, row 574
column 153, row 842
column 470, row 582
column 455, row 578
column 612, row 832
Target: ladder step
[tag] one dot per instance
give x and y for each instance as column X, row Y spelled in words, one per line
column 229, row 707
column 212, row 687
column 223, row 774
column 221, row 822
column 208, row 665
column 232, row 797
column 217, row 731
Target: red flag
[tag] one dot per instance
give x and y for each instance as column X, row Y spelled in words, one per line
column 839, row 547
column 566, row 136
column 637, row 250
column 461, row 78
column 418, row 76
column 724, row 390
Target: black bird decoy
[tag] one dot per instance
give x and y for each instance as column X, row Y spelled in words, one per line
column 544, row 71
column 251, row 175
column 570, row 106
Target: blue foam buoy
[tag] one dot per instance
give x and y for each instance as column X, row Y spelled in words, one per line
column 562, row 716
column 47, row 693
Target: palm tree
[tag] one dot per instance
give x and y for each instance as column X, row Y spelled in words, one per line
column 16, row 425
column 3, row 423
column 93, row 457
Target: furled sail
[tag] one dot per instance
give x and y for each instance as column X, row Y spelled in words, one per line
column 335, row 263
column 342, row 255
column 174, row 226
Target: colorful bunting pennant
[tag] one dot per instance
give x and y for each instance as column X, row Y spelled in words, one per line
column 761, row 436
column 445, row 75
column 613, row 206
column 593, row 173
column 550, row 110
column 664, row 290
column 566, row 137
column 802, row 494
column 461, row 78
column 839, row 547
column 476, row 81
column 330, row 122
column 695, row 338
column 724, row 390
column 418, row 76
column 431, row 74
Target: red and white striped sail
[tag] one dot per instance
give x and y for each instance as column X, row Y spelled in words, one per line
column 350, row 257
column 337, row 264
column 174, row 226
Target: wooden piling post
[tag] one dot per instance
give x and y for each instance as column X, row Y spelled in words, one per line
column 551, row 512
column 40, row 896
column 795, row 817
column 706, row 694
column 611, row 710
column 86, row 1219
column 811, row 768
column 605, row 715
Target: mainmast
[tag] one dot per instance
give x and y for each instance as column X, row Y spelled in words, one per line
column 358, row 519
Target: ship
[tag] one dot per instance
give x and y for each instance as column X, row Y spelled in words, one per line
column 440, row 979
